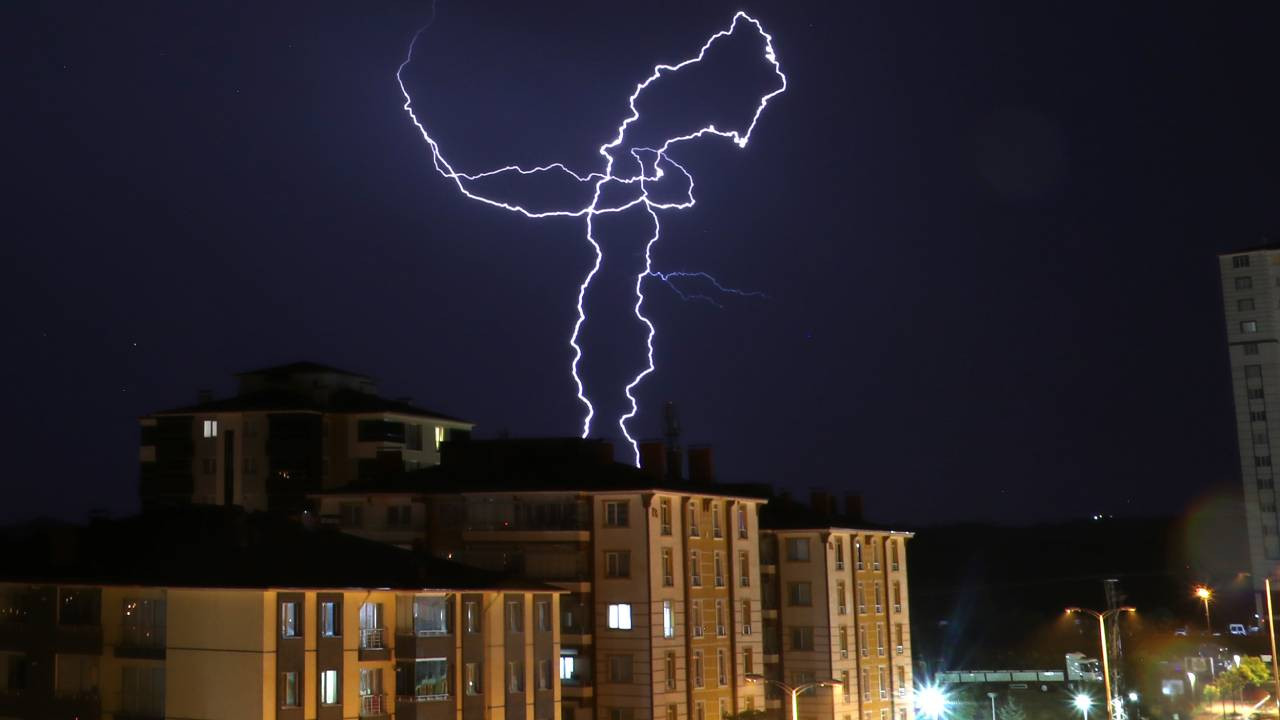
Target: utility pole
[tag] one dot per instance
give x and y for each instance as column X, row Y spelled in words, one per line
column 1115, row 599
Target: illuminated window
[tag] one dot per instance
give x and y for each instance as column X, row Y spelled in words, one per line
column 620, row 616
column 289, row 683
column 439, row 436
column 290, row 619
column 473, row 678
column 431, row 679
column 668, row 620
column 568, row 661
column 1249, row 326
column 330, row 619
column 211, row 428
column 329, row 687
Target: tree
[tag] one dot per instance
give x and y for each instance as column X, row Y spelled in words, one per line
column 1011, row 710
column 1254, row 672
column 1211, row 693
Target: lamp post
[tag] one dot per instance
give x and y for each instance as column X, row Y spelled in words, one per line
column 993, row 704
column 1083, row 702
column 1102, row 637
column 794, row 691
column 1205, row 594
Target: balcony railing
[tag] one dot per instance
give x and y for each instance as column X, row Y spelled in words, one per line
column 373, row 705
column 371, row 638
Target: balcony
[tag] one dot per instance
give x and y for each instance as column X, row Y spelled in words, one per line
column 141, row 641
column 372, row 646
column 374, row 706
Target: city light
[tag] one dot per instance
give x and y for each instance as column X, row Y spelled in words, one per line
column 1203, row 593
column 931, row 701
column 1083, row 702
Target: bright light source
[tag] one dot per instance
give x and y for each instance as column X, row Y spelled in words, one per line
column 932, row 701
column 1133, row 697
column 1203, row 592
column 1082, row 702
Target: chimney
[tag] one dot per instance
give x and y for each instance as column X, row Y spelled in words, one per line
column 822, row 504
column 853, row 507
column 653, row 459
column 700, row 467
column 204, row 395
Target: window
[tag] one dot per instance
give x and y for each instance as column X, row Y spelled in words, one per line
column 846, row 692
column 1250, row 348
column 330, row 619
column 742, row 522
column 351, row 515
column 798, row 549
column 879, row 604
column 839, row 553
column 695, row 569
column 620, row 616
column 617, row 564
column 880, row 684
column 695, row 617
column 1249, row 326
column 430, row 615
column 1244, row 283
column 693, row 519
column 14, row 669
column 748, row 661
column 515, row 676
column 800, row 677
column 542, row 615
column 801, row 637
column 1258, row 415
column 1265, row 483
column 716, row 531
column 615, row 513
column 841, row 607
column 897, row 596
column 866, row 685
column 669, row 666
column 371, row 626
column 880, row 639
column 142, row 691
column 902, row 681
column 329, row 687
column 664, row 515
column 844, row 641
column 430, row 678
column 1240, row 261
column 1253, row 371
column 697, row 668
column 875, row 552
column 568, row 663
column 1255, row 394
column 746, row 617
column 668, row 571
column 857, row 553
column 718, row 566
column 1262, row 461
column 722, row 628
column 673, row 712
column 291, row 691
column 722, row 668
column 388, row 431
column 290, row 619
column 440, row 436
column 861, row 597
column 744, row 568
column 668, row 620
column 208, row 466
column 399, row 516
column 1244, row 304
column 800, row 594
column 471, row 614
column 893, row 554
column 542, row 675
column 211, row 428
column 515, row 616
column 80, row 607
column 250, row 465
column 620, row 668
column 142, row 622
column 473, row 678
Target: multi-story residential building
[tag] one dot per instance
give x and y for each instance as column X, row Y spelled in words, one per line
column 288, row 431
column 1251, row 303
column 661, row 615
column 264, row 621
column 836, row 607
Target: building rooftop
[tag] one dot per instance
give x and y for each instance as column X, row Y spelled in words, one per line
column 535, row 465
column 300, row 367
column 283, row 400
column 1265, row 243
column 210, row 546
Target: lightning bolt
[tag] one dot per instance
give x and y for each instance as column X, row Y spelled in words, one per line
column 666, row 277
column 464, row 182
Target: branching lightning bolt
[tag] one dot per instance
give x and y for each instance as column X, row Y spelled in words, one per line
column 666, row 277
column 660, row 154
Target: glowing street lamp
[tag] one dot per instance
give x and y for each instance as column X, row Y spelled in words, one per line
column 1083, row 702
column 795, row 691
column 1102, row 637
column 1205, row 594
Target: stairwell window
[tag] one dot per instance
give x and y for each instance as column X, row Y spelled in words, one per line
column 290, row 619
column 668, row 620
column 328, row 687
column 617, row 564
column 798, row 549
column 668, row 568
column 616, row 513
column 620, row 616
column 211, row 428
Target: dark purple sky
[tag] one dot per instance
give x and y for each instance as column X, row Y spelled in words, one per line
column 986, row 233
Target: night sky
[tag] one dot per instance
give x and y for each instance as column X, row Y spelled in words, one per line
column 986, row 232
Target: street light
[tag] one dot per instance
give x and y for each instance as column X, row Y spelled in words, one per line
column 1083, row 702
column 1102, row 637
column 795, row 691
column 1205, row 594
column 932, row 701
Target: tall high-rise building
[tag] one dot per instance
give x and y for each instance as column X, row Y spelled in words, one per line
column 1251, row 303
column 289, row 430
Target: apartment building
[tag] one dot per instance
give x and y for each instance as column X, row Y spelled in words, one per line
column 1251, row 306
column 289, row 430
column 263, row 621
column 836, row 607
column 661, row 614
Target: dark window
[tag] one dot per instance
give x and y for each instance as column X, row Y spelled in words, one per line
column 380, row 431
column 1253, row 371
column 1251, row 348
column 79, row 607
column 330, row 619
column 413, row 437
column 1240, row 261
column 1244, row 283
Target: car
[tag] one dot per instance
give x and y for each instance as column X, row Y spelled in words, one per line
column 1236, row 629
column 1180, row 632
